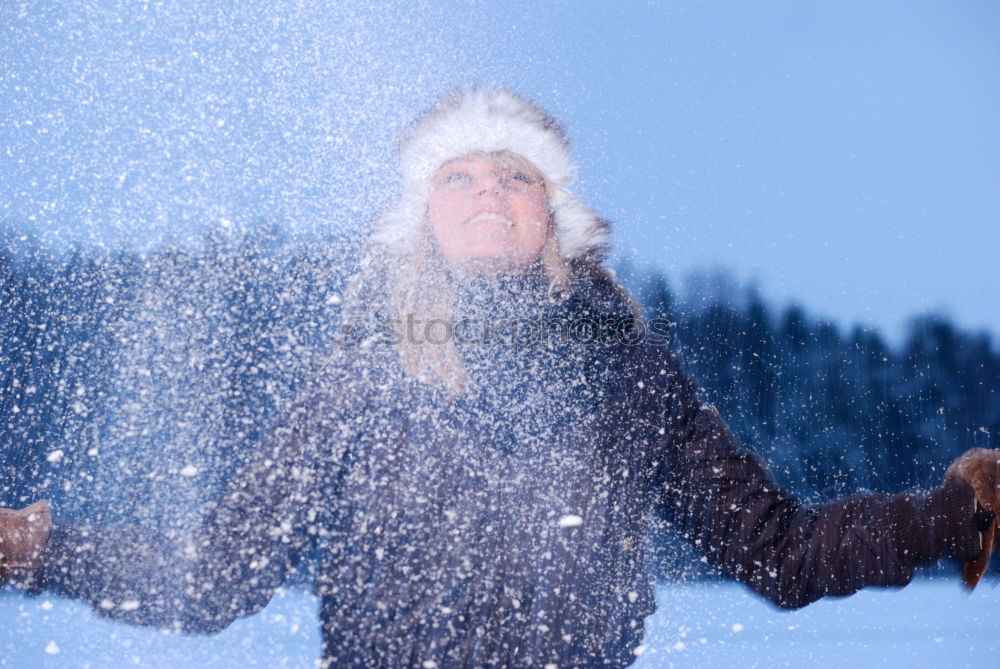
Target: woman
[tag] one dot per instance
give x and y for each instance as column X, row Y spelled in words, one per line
column 471, row 476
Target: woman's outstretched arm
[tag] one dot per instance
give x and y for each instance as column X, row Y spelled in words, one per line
column 268, row 516
column 722, row 498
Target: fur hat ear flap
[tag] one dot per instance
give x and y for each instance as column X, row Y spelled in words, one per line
column 581, row 233
column 488, row 120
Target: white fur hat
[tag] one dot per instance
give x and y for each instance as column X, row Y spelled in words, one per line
column 479, row 119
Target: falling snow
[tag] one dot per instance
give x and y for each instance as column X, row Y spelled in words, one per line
column 185, row 195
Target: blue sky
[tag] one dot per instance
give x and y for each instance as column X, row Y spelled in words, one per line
column 842, row 154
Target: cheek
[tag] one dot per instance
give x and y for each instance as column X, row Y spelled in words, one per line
column 535, row 215
column 444, row 211
column 532, row 236
column 445, row 216
column 447, row 237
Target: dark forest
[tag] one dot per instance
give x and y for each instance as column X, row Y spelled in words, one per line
column 120, row 369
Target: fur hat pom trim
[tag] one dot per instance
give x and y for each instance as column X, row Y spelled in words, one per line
column 485, row 120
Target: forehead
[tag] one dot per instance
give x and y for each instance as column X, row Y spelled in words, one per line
column 496, row 160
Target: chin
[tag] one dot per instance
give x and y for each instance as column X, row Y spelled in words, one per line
column 490, row 264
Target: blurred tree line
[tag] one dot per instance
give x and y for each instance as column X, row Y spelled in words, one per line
column 834, row 412
column 131, row 383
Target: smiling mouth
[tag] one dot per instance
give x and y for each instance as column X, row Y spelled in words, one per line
column 487, row 217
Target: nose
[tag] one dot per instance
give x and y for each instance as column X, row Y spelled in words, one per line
column 490, row 184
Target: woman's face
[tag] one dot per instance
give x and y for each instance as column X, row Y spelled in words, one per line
column 488, row 212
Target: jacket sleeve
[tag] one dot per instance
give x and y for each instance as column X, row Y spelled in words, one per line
column 266, row 517
column 723, row 499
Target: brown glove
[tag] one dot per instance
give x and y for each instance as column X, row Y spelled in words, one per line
column 23, row 534
column 980, row 468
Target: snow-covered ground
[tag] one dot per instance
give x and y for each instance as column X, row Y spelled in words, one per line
column 929, row 624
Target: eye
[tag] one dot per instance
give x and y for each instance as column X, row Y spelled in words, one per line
column 456, row 176
column 524, row 178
